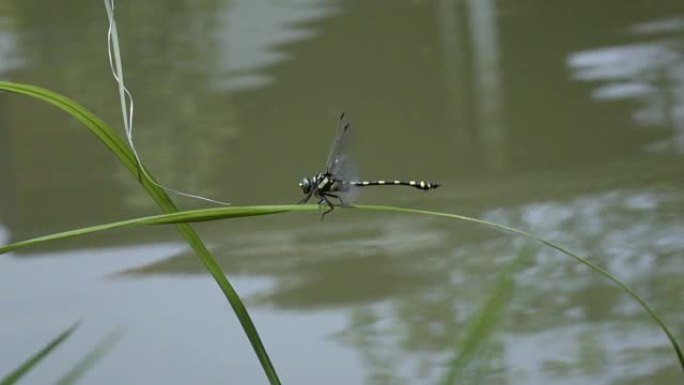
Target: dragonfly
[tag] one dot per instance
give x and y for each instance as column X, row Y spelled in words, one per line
column 339, row 180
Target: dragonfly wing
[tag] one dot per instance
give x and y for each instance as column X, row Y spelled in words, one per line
column 349, row 195
column 340, row 160
column 341, row 147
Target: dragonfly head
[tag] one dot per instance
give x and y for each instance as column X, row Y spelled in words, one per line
column 306, row 185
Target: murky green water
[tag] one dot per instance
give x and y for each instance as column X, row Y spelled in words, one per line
column 561, row 118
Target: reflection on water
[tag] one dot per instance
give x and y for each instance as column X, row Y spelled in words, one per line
column 4, row 235
column 9, row 58
column 650, row 72
column 250, row 32
column 570, row 127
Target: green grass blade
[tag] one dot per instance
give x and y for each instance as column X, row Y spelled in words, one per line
column 120, row 149
column 91, row 359
column 24, row 368
column 597, row 269
column 201, row 215
column 235, row 212
column 483, row 322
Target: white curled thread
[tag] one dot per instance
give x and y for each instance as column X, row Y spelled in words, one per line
column 127, row 101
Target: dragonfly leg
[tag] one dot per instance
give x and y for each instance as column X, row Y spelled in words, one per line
column 306, row 198
column 331, row 207
column 338, row 198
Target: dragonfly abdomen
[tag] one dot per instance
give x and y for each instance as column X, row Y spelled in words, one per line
column 419, row 184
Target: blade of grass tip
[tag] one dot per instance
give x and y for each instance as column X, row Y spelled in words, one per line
column 30, row 363
column 119, row 148
column 200, row 215
column 482, row 323
column 624, row 287
column 91, row 358
column 654, row 316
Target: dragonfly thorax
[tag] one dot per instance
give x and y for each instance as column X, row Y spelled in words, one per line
column 321, row 183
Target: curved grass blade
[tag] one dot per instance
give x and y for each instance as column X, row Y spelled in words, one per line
column 597, row 269
column 24, row 368
column 120, row 149
column 236, row 211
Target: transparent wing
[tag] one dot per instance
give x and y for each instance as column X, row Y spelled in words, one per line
column 340, row 152
column 340, row 160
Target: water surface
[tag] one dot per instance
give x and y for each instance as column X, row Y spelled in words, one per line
column 564, row 118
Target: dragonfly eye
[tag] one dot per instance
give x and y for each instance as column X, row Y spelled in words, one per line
column 305, row 185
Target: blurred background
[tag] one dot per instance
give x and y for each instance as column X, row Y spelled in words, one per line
column 564, row 118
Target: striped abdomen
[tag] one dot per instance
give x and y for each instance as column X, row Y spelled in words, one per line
column 419, row 184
